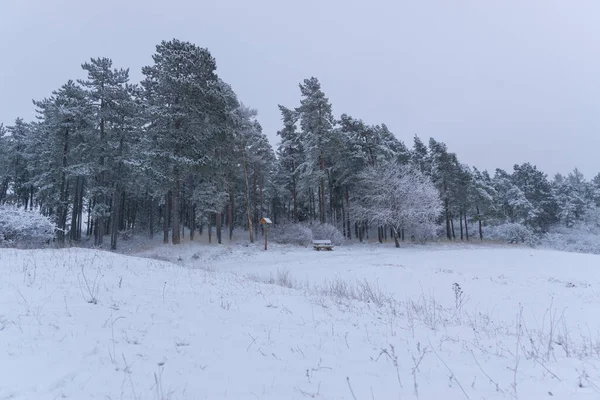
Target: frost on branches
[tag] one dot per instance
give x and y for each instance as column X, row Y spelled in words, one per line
column 399, row 197
column 24, row 228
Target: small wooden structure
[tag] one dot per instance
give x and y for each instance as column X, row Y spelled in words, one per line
column 265, row 222
column 322, row 244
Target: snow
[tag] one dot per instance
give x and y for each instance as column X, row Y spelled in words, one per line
column 361, row 322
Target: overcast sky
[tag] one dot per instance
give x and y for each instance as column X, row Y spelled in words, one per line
column 500, row 82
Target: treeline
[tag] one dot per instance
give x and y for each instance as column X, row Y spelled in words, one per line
column 179, row 150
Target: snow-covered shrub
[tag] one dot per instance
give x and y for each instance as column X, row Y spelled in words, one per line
column 422, row 232
column 289, row 233
column 576, row 242
column 24, row 228
column 327, row 232
column 511, row 233
column 583, row 237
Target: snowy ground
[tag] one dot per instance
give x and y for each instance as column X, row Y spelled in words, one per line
column 361, row 322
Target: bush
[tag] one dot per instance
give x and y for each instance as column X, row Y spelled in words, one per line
column 511, row 233
column 289, row 233
column 576, row 242
column 422, row 232
column 303, row 234
column 327, row 231
column 24, row 228
column 584, row 237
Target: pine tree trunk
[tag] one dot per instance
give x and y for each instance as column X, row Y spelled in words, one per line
column 344, row 220
column 74, row 211
column 452, row 226
column 447, row 213
column 254, row 202
column 116, row 214
column 79, row 212
column 151, row 222
column 294, row 196
column 460, row 218
column 166, row 214
column 396, row 242
column 232, row 212
column 175, row 232
column 229, row 219
column 90, row 221
column 466, row 226
column 192, row 221
column 479, row 220
column 62, row 208
column 218, row 222
column 248, row 212
column 261, row 208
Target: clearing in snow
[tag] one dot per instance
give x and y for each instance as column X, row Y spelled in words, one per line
column 360, row 322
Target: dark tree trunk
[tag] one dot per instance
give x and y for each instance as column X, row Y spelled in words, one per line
column 294, row 195
column 116, row 214
column 175, row 233
column 90, row 221
column 255, row 203
column 479, row 221
column 452, row 226
column 466, row 226
column 348, row 214
column 166, row 214
column 218, row 223
column 75, row 211
column 396, row 242
column 64, row 187
column 460, row 218
column 151, row 221
column 322, row 192
column 344, row 220
column 192, row 221
column 447, row 212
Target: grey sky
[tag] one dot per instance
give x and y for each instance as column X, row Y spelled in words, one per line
column 501, row 82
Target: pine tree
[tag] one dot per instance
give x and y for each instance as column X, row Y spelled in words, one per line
column 537, row 190
column 316, row 122
column 291, row 155
column 64, row 119
column 185, row 104
column 112, row 110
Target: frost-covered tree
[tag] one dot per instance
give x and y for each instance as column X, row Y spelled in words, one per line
column 56, row 152
column 536, row 188
column 4, row 164
column 185, row 105
column 111, row 122
column 572, row 195
column 481, row 195
column 400, row 197
column 317, row 122
column 444, row 170
column 18, row 163
column 290, row 155
column 510, row 201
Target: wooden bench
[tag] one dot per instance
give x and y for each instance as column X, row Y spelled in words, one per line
column 322, row 244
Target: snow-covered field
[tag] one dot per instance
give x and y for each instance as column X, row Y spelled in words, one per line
column 361, row 322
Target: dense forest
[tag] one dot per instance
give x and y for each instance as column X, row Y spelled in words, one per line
column 179, row 153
